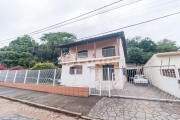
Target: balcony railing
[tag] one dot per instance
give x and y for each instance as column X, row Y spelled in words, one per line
column 89, row 55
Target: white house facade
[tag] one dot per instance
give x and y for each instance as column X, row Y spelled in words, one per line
column 96, row 60
column 166, row 76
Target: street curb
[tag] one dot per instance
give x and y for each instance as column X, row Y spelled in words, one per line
column 74, row 114
column 149, row 99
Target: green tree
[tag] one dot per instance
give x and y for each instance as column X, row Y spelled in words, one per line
column 9, row 58
column 147, row 45
column 26, row 60
column 135, row 55
column 166, row 45
column 134, row 42
column 48, row 50
column 23, row 44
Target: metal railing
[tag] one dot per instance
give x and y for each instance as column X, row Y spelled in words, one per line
column 89, row 55
column 48, row 77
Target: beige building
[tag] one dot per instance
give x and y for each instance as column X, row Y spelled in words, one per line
column 94, row 60
column 163, row 71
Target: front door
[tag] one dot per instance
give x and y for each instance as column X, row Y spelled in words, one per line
column 105, row 72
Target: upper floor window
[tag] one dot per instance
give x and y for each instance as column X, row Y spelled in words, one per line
column 76, row 69
column 65, row 51
column 83, row 54
column 108, row 51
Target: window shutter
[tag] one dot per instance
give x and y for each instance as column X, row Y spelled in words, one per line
column 79, row 69
column 71, row 70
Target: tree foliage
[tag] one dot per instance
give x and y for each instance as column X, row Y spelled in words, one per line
column 26, row 52
column 166, row 45
column 141, row 50
column 136, row 54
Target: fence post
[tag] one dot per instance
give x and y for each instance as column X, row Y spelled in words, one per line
column 100, row 91
column 6, row 76
column 25, row 76
column 54, row 77
column 109, row 82
column 15, row 76
column 75, row 71
column 39, row 72
column 112, row 76
column 90, row 81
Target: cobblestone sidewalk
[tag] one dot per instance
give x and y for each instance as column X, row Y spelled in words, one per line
column 129, row 109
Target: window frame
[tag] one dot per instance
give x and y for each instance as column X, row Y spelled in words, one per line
column 108, row 48
column 78, row 68
column 168, row 73
column 83, row 51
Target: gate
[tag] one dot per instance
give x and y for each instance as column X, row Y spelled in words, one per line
column 152, row 82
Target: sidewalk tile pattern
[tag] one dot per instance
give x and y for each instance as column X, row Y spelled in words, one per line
column 130, row 109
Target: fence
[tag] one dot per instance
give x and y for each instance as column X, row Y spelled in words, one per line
column 48, row 77
column 154, row 82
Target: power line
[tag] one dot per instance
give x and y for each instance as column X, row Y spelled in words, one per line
column 126, row 26
column 125, row 19
column 131, row 17
column 75, row 18
column 40, row 31
column 131, row 25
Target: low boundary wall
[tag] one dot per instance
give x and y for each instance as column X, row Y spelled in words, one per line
column 63, row 90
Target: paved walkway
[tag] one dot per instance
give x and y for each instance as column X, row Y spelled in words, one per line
column 17, row 111
column 74, row 104
column 98, row 107
column 129, row 109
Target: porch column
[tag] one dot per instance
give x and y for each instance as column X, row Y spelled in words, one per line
column 76, row 52
column 94, row 49
column 117, row 41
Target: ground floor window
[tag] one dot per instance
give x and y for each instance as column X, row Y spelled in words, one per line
column 169, row 73
column 111, row 72
column 75, row 68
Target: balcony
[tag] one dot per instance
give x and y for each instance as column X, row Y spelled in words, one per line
column 88, row 55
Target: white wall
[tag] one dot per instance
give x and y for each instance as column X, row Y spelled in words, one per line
column 167, row 84
column 83, row 79
column 122, row 64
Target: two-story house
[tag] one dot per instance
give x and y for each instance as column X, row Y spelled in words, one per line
column 95, row 60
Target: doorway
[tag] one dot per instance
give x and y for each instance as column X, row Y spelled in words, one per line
column 105, row 72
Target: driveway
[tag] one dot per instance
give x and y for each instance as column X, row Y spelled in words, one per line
column 142, row 90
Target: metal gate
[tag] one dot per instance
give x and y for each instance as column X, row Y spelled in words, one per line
column 152, row 82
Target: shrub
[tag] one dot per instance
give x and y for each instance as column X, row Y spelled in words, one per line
column 2, row 67
column 40, row 66
column 15, row 68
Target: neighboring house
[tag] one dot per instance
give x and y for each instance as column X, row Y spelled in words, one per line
column 94, row 60
column 165, row 70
